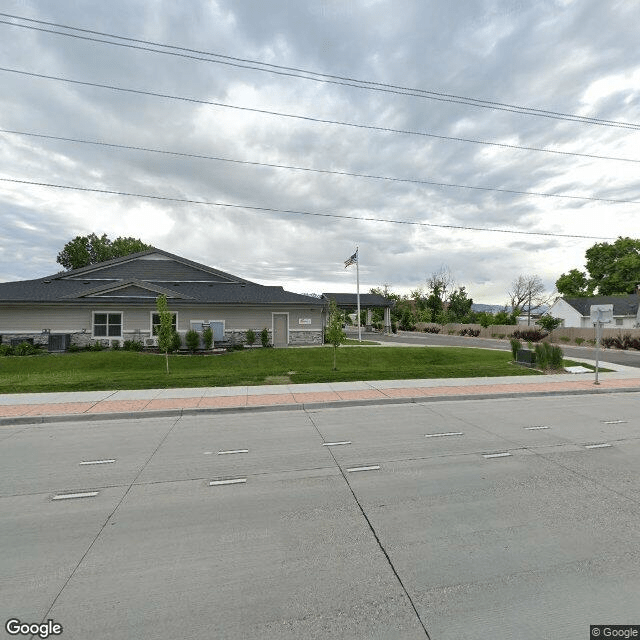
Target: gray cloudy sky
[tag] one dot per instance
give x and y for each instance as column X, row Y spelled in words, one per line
column 575, row 57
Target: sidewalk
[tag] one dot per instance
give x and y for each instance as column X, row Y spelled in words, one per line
column 92, row 405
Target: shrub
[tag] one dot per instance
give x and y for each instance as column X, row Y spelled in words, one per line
column 516, row 345
column 115, row 345
column 579, row 341
column 192, row 340
column 251, row 337
column 565, row 339
column 264, row 337
column 133, row 345
column 74, row 348
column 97, row 346
column 542, row 355
column 432, row 329
column 555, row 357
column 530, row 334
column 6, row 350
column 207, row 338
column 473, row 333
column 176, row 342
column 24, row 349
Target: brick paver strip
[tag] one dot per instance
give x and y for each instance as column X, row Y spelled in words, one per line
column 362, row 394
column 316, row 396
column 11, row 410
column 222, row 401
column 59, row 408
column 118, row 406
column 271, row 398
column 172, row 403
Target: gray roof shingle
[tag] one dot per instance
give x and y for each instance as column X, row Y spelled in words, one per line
column 141, row 277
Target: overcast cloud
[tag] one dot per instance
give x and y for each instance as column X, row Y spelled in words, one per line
column 579, row 57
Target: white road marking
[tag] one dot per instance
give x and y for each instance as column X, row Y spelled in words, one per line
column 496, row 455
column 222, row 453
column 69, row 496
column 536, row 428
column 615, row 421
column 109, row 461
column 215, row 483
column 335, row 444
column 373, row 467
column 442, row 435
column 597, row 446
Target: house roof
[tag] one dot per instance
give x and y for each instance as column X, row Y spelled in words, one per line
column 142, row 277
column 622, row 305
column 367, row 300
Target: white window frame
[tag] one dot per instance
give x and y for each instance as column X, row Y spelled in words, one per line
column 107, row 313
column 152, row 313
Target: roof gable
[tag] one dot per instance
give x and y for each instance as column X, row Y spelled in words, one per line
column 622, row 305
column 129, row 289
column 153, row 265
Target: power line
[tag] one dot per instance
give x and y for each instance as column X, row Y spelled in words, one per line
column 310, row 118
column 314, row 76
column 313, row 170
column 297, row 212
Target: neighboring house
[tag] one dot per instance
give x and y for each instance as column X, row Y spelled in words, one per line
column 116, row 301
column 576, row 312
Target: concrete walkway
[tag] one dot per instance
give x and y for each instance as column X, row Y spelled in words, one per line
column 92, row 405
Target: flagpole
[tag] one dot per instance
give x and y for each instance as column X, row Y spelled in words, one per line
column 358, row 290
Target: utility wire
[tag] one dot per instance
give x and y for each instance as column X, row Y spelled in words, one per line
column 298, row 212
column 309, row 118
column 313, row 170
column 314, row 76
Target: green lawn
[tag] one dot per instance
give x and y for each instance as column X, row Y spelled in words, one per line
column 129, row 370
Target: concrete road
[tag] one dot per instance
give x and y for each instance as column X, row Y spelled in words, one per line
column 480, row 519
column 629, row 358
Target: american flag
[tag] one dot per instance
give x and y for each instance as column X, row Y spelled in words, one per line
column 352, row 260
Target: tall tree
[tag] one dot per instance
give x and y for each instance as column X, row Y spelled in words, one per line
column 574, row 284
column 527, row 291
column 85, row 250
column 459, row 307
column 612, row 268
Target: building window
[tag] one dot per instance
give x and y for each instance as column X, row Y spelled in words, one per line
column 107, row 325
column 619, row 322
column 155, row 322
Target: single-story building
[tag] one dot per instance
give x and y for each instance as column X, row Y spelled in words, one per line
column 576, row 312
column 116, row 301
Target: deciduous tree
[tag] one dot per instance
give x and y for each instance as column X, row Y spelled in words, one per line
column 85, row 250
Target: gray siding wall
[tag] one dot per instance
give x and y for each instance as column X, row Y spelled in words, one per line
column 305, row 323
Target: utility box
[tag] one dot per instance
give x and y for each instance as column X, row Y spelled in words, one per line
column 526, row 357
column 59, row 341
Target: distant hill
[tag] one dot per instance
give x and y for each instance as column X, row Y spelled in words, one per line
column 488, row 308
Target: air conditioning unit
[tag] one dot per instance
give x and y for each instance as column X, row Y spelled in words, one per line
column 151, row 342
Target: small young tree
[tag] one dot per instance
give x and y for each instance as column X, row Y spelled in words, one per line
column 549, row 322
column 165, row 329
column 334, row 333
column 264, row 337
column 250, row 336
column 207, row 338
